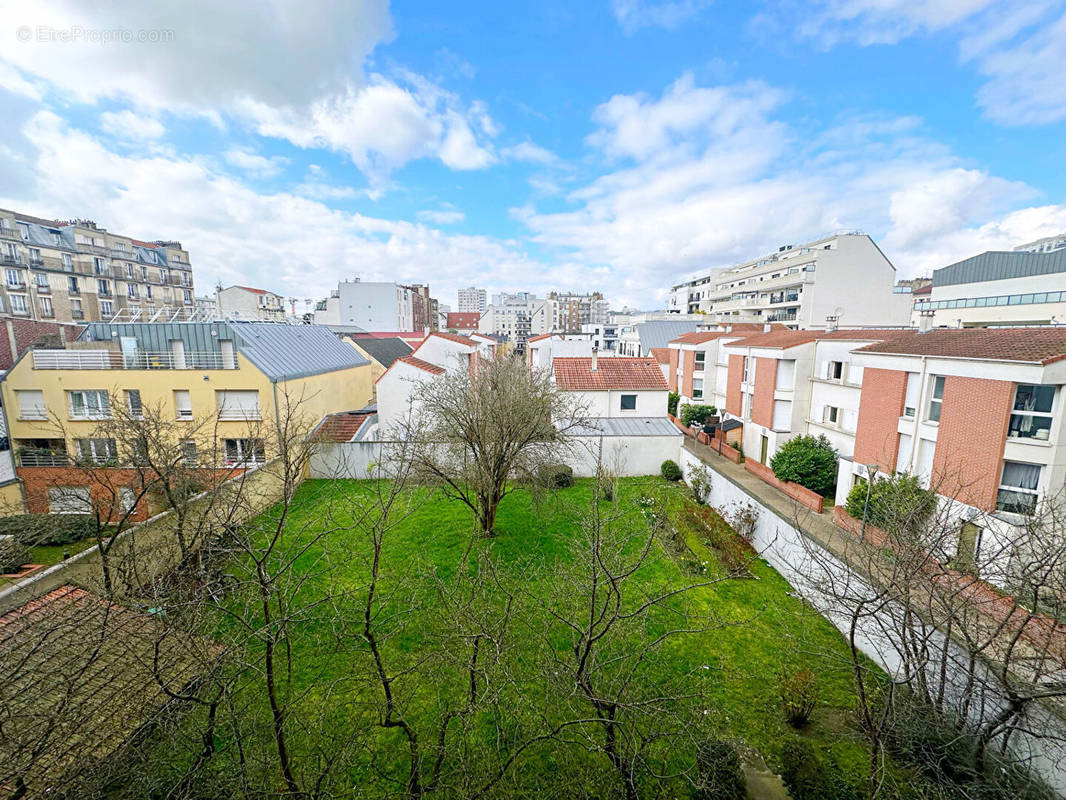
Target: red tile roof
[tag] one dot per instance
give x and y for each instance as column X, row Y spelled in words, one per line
column 698, row 337
column 426, row 366
column 660, row 354
column 463, row 319
column 780, row 340
column 251, row 289
column 615, row 372
column 539, row 338
column 341, row 427
column 753, row 327
column 454, row 337
column 1029, row 345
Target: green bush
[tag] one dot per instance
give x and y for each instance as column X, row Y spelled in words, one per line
column 808, row 775
column 718, row 771
column 43, row 529
column 13, row 554
column 809, row 461
column 799, row 696
column 696, row 413
column 555, row 476
column 897, row 503
column 671, row 403
column 671, row 471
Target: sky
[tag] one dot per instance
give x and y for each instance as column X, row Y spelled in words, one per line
column 602, row 145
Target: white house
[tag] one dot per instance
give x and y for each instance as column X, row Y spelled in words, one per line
column 540, row 350
column 619, row 386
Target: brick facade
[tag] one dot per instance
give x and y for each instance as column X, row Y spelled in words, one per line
column 23, row 333
column 762, row 403
column 104, row 486
column 671, row 378
column 970, row 439
column 688, row 362
column 734, row 403
column 880, row 407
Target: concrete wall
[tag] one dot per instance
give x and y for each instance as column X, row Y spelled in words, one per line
column 625, row 456
column 607, row 403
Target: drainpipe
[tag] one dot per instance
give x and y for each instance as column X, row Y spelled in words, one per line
column 917, row 415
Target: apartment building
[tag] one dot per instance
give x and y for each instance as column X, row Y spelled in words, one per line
column 375, row 306
column 517, row 318
column 540, row 350
column 842, row 279
column 472, row 300
column 976, row 414
column 77, row 271
column 1048, row 244
column 464, row 322
column 249, row 303
column 571, row 311
column 239, row 376
column 604, row 334
column 1022, row 287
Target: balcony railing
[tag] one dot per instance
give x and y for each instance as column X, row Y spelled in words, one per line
column 36, row 262
column 238, row 414
column 8, row 259
column 74, row 314
column 42, row 458
column 141, row 359
column 43, row 288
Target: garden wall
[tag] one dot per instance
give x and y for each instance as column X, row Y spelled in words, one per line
column 801, row 494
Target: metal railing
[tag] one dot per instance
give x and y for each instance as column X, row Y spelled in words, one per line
column 42, row 458
column 238, row 414
column 141, row 359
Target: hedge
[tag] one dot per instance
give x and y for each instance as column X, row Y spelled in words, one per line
column 897, row 503
column 44, row 529
column 555, row 476
column 13, row 554
column 809, row 461
column 671, row 471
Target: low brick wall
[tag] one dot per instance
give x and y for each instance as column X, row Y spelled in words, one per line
column 726, row 449
column 842, row 519
column 800, row 494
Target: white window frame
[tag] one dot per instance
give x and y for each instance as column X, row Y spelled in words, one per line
column 47, row 309
column 1032, row 414
column 1034, row 493
column 697, row 388
column 938, row 402
column 69, row 500
column 90, row 398
column 136, row 409
column 31, row 410
column 241, row 446
column 19, row 305
column 182, row 404
column 99, row 450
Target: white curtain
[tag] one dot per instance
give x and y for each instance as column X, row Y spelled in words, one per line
column 1021, row 476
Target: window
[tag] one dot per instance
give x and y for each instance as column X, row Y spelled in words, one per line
column 1017, row 487
column 629, row 402
column 75, row 308
column 18, row 304
column 72, row 285
column 14, row 277
column 1031, row 416
column 701, row 357
column 103, row 289
column 92, row 404
column 697, row 388
column 244, row 451
column 910, row 398
column 127, row 498
column 237, row 404
column 834, row 370
column 830, row 414
column 133, row 403
column 786, row 375
column 129, row 270
column 936, row 399
column 782, row 415
column 747, row 369
column 131, row 290
column 98, row 266
column 68, row 264
column 98, row 451
column 188, row 452
column 107, row 308
column 42, row 282
column 69, row 500
column 182, row 403
column 31, row 404
column 35, row 257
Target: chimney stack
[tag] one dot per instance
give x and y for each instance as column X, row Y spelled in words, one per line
column 925, row 321
column 831, row 323
column 595, row 355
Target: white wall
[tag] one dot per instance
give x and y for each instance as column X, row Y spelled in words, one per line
column 624, row 455
column 397, row 393
column 607, row 403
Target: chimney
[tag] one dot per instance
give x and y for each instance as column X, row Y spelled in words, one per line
column 831, row 323
column 925, row 321
column 766, row 327
column 595, row 355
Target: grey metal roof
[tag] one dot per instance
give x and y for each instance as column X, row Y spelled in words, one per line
column 628, row 426
column 285, row 352
column 282, row 352
column 383, row 350
column 658, row 333
column 998, row 265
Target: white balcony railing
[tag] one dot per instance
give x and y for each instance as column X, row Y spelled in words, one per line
column 238, row 414
column 140, row 359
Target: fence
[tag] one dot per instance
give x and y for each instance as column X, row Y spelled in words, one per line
column 139, row 359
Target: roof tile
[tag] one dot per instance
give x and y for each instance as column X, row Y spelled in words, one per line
column 619, row 372
column 1030, row 345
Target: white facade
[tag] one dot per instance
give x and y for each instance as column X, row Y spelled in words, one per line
column 1048, row 244
column 844, row 277
column 369, row 305
column 472, row 299
column 518, row 321
column 250, row 303
column 539, row 353
column 604, row 335
column 616, row 402
column 624, row 455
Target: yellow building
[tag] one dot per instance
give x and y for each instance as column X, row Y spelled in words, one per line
column 244, row 377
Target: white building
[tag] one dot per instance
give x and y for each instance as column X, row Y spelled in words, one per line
column 540, row 350
column 613, row 387
column 248, row 302
column 996, row 288
column 472, row 299
column 842, row 279
column 369, row 305
column 1048, row 244
column 518, row 318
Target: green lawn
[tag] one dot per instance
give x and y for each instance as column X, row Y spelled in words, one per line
column 730, row 672
column 51, row 554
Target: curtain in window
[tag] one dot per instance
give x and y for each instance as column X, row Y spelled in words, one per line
column 1021, row 476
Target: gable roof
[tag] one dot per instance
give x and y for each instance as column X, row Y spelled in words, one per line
column 1029, row 345
column 425, row 366
column 575, row 373
column 539, row 338
column 343, row 426
column 286, row 352
column 249, row 289
column 782, row 340
column 383, row 350
column 661, row 354
column 698, row 337
column 454, row 337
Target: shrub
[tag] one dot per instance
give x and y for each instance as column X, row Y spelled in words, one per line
column 799, row 696
column 555, row 476
column 43, row 529
column 897, row 503
column 696, row 413
column 671, row 403
column 670, row 470
column 808, row 775
column 606, row 487
column 13, row 554
column 809, row 461
column 718, row 771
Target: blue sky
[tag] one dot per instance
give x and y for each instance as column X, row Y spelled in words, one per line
column 616, row 145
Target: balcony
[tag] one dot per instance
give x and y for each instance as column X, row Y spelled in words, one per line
column 43, row 288
column 36, row 262
column 238, row 414
column 42, row 458
column 16, row 286
column 75, row 314
column 141, row 359
column 9, row 260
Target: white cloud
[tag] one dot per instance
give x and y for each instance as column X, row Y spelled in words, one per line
column 883, row 21
column 669, row 14
column 253, row 163
column 443, row 216
column 131, row 127
column 530, row 153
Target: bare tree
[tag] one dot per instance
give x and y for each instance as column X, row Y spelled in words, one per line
column 480, row 431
